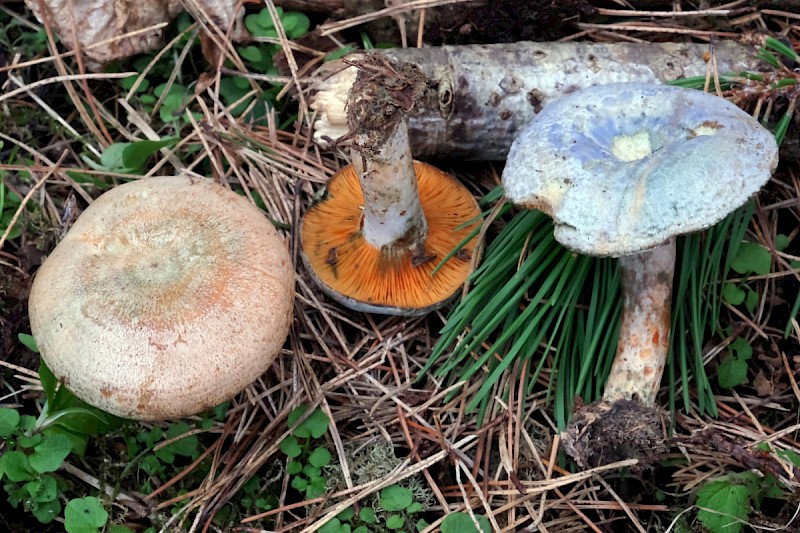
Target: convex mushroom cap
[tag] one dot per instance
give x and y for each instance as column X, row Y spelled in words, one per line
column 622, row 167
column 168, row 296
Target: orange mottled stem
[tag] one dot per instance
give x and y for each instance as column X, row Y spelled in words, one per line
column 644, row 335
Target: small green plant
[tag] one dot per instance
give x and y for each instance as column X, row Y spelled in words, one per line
column 726, row 503
column 259, row 59
column 129, row 157
column 17, row 35
column 35, row 449
column 396, row 511
column 733, row 369
column 463, row 523
column 9, row 203
column 157, row 461
column 399, row 502
column 306, row 457
column 753, row 259
column 254, row 499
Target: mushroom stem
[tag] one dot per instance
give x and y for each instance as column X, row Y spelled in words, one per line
column 644, row 335
column 393, row 215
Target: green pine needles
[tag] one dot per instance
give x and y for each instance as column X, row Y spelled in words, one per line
column 533, row 301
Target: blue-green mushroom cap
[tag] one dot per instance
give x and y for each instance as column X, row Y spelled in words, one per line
column 623, row 167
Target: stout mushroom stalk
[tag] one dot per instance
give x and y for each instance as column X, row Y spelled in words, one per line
column 644, row 334
column 393, row 214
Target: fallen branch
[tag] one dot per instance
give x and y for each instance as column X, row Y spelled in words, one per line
column 484, row 94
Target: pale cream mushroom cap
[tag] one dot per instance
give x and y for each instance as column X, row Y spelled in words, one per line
column 168, row 296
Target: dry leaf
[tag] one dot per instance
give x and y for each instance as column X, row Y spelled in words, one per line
column 763, row 386
column 86, row 23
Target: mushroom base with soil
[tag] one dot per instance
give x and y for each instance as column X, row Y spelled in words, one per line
column 607, row 432
column 622, row 425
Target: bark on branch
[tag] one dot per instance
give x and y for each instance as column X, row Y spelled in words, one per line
column 486, row 93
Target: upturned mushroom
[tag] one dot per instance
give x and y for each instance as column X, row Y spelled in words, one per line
column 373, row 243
column 622, row 169
column 168, row 296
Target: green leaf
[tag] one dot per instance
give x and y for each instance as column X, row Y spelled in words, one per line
column 395, row 498
column 361, row 529
column 27, row 422
column 367, row 515
column 395, row 521
column 291, row 447
column 347, row 514
column 135, row 154
column 314, row 426
column 263, row 504
column 111, row 158
column 316, row 488
column 723, row 505
column 752, row 258
column 72, row 413
column 415, row 507
column 119, row 529
column 261, row 24
column 46, row 512
column 84, row 515
column 127, row 83
column 295, row 24
column 770, row 488
column 733, row 294
column 751, row 301
column 319, row 457
column 732, row 372
column 50, row 453
column 28, row 341
column 81, row 419
column 741, row 348
column 250, row 53
column 49, row 383
column 46, row 489
column 299, row 483
column 28, row 440
column 151, row 465
column 79, row 440
column 294, row 467
column 791, row 456
column 340, row 52
column 462, row 523
column 312, row 472
column 9, row 421
column 331, row 526
column 782, row 242
column 296, row 414
column 42, row 499
column 188, row 446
